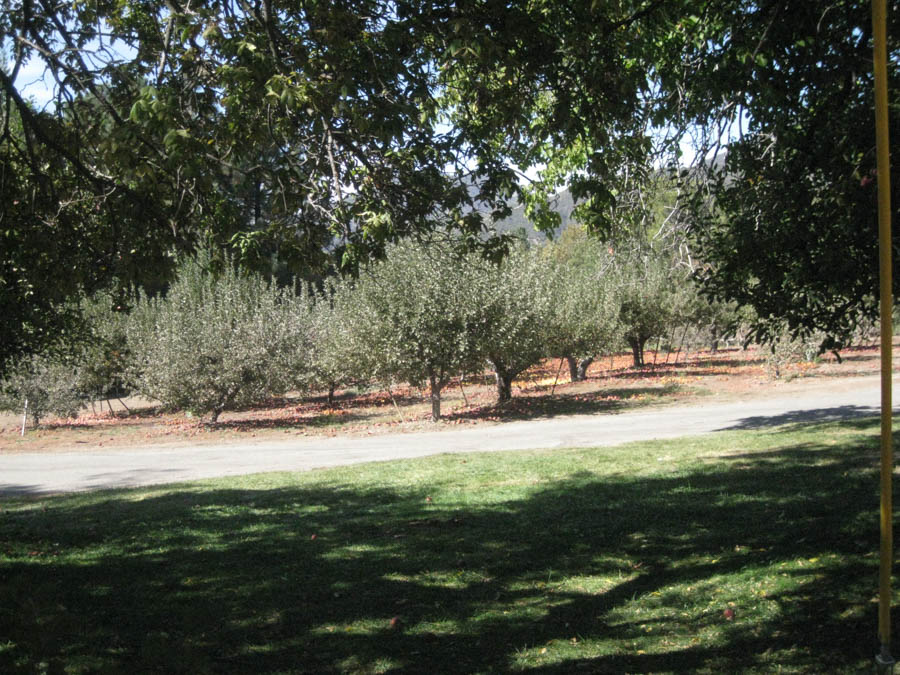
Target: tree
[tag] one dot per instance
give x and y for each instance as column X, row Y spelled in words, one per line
column 218, row 340
column 316, row 130
column 84, row 363
column 593, row 91
column 419, row 317
column 54, row 245
column 717, row 320
column 43, row 384
column 99, row 347
column 654, row 294
column 567, row 87
column 339, row 353
column 305, row 131
column 584, row 308
column 514, row 304
column 790, row 215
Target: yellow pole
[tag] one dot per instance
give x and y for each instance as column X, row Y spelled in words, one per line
column 879, row 22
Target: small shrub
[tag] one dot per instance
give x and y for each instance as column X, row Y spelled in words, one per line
column 786, row 350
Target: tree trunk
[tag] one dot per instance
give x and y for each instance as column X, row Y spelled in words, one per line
column 504, row 384
column 331, row 393
column 637, row 351
column 573, row 368
column 578, row 369
column 435, row 398
column 582, row 368
column 680, row 345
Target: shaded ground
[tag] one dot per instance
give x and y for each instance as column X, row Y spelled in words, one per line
column 544, row 392
column 749, row 552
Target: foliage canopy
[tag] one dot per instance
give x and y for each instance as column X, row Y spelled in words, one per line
column 316, row 132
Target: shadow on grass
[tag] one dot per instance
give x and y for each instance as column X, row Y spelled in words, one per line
column 307, row 579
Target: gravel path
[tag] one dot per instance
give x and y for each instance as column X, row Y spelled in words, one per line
column 45, row 473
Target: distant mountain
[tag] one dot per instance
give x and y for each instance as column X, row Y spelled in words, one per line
column 518, row 223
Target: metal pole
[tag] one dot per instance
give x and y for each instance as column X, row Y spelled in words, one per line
column 884, row 660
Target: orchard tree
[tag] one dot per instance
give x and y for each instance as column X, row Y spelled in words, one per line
column 85, row 363
column 515, row 313
column 99, row 347
column 43, row 384
column 218, row 340
column 717, row 320
column 339, row 354
column 655, row 295
column 584, row 304
column 419, row 317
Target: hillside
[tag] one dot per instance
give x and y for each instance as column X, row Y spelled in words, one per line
column 517, row 222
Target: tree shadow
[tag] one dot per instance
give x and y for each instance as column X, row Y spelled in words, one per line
column 324, row 418
column 705, row 368
column 795, row 418
column 307, row 579
column 104, row 419
column 534, row 406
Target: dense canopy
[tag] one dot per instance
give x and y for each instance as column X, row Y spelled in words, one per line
column 307, row 135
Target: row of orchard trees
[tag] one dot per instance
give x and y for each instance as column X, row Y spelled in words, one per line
column 221, row 339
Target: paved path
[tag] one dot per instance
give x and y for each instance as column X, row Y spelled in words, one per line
column 63, row 472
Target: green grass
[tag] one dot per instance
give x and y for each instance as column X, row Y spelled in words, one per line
column 597, row 561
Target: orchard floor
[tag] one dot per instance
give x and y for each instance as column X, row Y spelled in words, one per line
column 613, row 385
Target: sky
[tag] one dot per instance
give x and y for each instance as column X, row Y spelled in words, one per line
column 30, row 83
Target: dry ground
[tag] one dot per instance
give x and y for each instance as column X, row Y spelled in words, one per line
column 613, row 385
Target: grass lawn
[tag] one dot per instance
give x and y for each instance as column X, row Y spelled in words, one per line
column 751, row 551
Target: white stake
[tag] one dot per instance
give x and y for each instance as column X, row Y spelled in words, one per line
column 24, row 417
